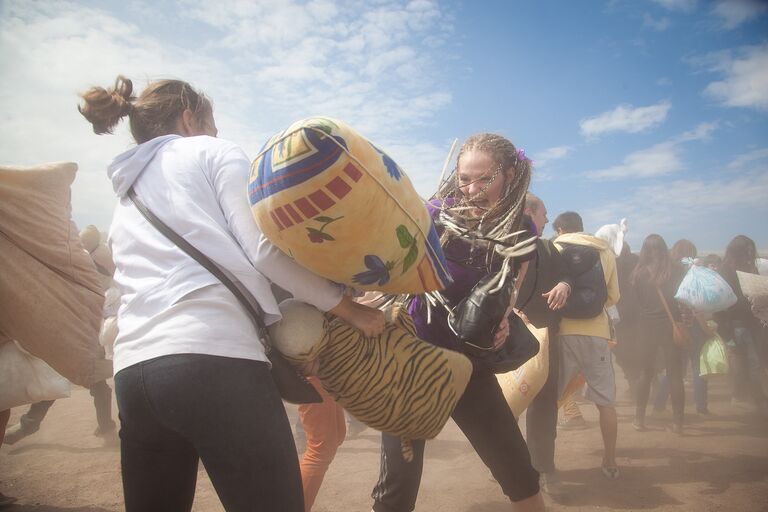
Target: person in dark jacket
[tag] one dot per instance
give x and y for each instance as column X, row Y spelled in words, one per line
column 739, row 325
column 655, row 281
column 628, row 348
column 543, row 292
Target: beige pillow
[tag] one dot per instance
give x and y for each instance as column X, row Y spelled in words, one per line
column 50, row 290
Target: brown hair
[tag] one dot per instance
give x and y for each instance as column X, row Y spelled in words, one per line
column 740, row 255
column 682, row 249
column 568, row 222
column 654, row 262
column 154, row 113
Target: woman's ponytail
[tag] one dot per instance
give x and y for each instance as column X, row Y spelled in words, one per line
column 104, row 108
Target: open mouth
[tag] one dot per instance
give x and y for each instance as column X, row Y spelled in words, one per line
column 479, row 204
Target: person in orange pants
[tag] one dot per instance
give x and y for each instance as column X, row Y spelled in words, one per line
column 325, row 429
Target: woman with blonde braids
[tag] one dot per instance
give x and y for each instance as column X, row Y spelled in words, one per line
column 481, row 201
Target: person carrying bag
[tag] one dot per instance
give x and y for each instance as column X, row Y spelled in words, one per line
column 680, row 334
column 192, row 380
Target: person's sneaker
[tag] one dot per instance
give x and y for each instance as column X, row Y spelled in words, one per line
column 638, row 426
column 611, row 472
column 571, row 423
column 550, row 484
column 17, row 432
column 675, row 428
column 6, row 501
column 109, row 435
column 107, row 431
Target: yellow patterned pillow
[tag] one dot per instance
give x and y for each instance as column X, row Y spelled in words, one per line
column 342, row 208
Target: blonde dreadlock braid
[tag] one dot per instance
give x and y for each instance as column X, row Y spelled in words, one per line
column 503, row 218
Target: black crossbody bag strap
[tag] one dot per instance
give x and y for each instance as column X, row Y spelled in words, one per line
column 244, row 297
column 299, row 391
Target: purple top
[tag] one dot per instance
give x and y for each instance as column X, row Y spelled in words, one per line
column 466, row 266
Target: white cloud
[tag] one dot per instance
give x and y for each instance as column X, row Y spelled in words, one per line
column 745, row 83
column 686, row 208
column 663, row 81
column 736, row 12
column 742, row 160
column 701, row 131
column 660, row 24
column 626, row 118
column 542, row 158
column 658, row 160
column 265, row 64
column 677, row 5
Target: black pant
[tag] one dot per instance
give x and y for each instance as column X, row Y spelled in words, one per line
column 102, row 402
column 226, row 412
column 489, row 425
column 541, row 417
column 628, row 351
column 655, row 335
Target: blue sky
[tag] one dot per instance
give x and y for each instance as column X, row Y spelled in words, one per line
column 654, row 110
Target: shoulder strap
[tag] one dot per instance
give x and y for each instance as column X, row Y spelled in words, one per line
column 241, row 293
column 666, row 306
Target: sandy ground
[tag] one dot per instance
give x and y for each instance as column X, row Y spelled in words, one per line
column 721, row 464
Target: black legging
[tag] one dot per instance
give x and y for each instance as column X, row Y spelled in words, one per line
column 486, row 420
column 176, row 410
column 656, row 334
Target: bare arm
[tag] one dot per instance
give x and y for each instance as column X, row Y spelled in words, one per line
column 370, row 321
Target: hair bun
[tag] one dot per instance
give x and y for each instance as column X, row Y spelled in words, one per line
column 104, row 109
column 123, row 94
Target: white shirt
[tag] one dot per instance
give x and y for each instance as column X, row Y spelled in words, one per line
column 169, row 303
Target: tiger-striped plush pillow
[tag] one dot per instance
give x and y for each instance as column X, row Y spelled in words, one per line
column 395, row 382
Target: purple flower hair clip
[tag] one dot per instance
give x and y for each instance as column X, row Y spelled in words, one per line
column 521, row 156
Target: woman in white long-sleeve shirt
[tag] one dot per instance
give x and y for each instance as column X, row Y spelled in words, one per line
column 191, row 377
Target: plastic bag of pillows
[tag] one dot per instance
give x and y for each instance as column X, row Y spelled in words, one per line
column 704, row 290
column 342, row 208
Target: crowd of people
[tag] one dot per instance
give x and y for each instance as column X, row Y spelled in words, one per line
column 193, row 384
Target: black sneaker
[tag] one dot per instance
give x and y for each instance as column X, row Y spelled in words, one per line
column 551, row 484
column 17, row 432
column 675, row 428
column 6, row 501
